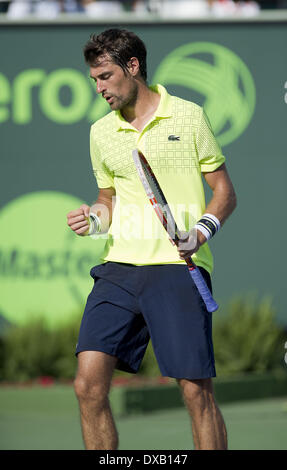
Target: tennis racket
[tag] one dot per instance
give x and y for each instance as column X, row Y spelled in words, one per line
column 160, row 205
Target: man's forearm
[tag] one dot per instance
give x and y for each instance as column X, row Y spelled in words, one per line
column 222, row 204
column 223, row 201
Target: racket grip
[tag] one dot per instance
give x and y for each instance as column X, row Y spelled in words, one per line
column 203, row 289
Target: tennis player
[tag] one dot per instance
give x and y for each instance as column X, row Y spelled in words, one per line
column 142, row 289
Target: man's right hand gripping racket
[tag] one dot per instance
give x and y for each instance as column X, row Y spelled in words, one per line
column 160, row 205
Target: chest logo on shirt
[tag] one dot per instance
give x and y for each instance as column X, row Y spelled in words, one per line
column 173, row 137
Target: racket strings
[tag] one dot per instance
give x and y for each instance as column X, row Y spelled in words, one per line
column 159, row 202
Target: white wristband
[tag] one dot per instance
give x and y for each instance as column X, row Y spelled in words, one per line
column 95, row 224
column 214, row 218
column 208, row 225
column 203, row 231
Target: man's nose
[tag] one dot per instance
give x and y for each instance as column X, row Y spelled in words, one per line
column 100, row 86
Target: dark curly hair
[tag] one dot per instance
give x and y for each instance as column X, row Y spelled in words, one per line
column 120, row 44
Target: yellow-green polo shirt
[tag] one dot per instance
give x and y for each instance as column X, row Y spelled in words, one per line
column 179, row 145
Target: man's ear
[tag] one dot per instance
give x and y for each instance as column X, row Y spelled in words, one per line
column 133, row 66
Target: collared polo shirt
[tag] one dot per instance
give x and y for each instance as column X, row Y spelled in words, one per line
column 179, row 145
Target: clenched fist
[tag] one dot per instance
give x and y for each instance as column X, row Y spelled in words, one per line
column 78, row 220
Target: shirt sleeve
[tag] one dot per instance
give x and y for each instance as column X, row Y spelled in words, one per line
column 209, row 152
column 102, row 174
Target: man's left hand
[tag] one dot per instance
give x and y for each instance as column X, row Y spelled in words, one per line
column 189, row 243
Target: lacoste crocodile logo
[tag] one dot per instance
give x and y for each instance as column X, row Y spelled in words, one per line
column 173, row 137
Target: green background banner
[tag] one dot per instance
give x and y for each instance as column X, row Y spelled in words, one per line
column 47, row 103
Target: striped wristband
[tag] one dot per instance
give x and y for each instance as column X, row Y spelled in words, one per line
column 95, row 224
column 208, row 225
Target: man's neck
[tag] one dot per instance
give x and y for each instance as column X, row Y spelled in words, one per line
column 143, row 109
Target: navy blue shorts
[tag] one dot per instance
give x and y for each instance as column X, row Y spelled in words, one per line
column 129, row 305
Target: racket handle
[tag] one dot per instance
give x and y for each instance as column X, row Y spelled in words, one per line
column 203, row 289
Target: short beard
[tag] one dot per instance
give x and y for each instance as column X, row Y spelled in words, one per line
column 130, row 100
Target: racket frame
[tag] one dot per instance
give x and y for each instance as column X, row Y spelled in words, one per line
column 170, row 226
